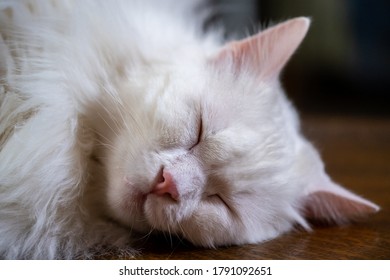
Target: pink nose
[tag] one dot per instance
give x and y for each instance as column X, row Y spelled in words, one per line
column 166, row 186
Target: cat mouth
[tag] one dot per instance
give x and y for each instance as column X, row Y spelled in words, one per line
column 139, row 200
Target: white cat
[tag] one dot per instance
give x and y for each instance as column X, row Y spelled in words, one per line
column 123, row 116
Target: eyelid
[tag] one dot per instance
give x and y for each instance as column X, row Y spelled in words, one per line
column 200, row 133
column 199, row 136
column 220, row 198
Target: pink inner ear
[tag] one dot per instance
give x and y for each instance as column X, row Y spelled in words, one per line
column 336, row 207
column 266, row 53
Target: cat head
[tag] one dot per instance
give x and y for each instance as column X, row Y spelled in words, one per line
column 210, row 148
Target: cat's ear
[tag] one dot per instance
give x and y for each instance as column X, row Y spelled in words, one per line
column 266, row 53
column 329, row 202
column 322, row 199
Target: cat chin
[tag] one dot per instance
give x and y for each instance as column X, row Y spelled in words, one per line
column 232, row 234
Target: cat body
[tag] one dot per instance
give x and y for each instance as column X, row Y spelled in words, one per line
column 126, row 117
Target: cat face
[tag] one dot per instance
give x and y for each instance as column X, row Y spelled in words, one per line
column 213, row 153
column 209, row 162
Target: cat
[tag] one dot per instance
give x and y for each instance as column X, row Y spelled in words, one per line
column 127, row 117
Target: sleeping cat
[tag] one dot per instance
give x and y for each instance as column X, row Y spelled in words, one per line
column 123, row 117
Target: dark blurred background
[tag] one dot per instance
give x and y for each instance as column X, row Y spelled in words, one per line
column 342, row 67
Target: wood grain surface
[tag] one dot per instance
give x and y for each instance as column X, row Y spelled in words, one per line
column 356, row 151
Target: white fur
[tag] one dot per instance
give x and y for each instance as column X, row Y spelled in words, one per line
column 97, row 97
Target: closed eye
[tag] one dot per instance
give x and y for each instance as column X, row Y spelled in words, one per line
column 218, row 198
column 200, row 132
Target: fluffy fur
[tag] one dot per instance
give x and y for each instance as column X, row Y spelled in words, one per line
column 123, row 116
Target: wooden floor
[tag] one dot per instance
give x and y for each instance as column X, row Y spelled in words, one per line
column 357, row 155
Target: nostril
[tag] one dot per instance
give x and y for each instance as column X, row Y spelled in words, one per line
column 160, row 176
column 166, row 185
